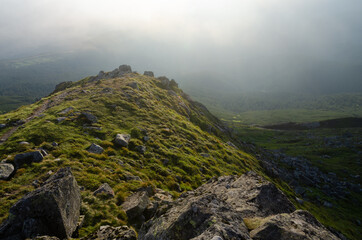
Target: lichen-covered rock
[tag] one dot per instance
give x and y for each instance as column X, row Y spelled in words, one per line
column 297, row 225
column 104, row 189
column 94, row 148
column 27, row 158
column 148, row 73
column 6, row 171
column 114, row 233
column 135, row 204
column 122, row 140
column 51, row 210
column 220, row 209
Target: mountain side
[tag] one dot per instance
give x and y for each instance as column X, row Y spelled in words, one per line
column 134, row 143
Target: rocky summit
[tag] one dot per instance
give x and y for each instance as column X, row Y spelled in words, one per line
column 123, row 155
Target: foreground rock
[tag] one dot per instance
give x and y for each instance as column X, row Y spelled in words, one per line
column 223, row 209
column 51, row 210
column 117, row 233
column 27, row 158
column 134, row 206
column 6, row 171
column 122, row 140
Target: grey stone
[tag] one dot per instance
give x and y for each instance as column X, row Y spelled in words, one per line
column 94, row 148
column 61, row 119
column 88, row 117
column 104, row 189
column 123, row 69
column 114, row 233
column 52, row 209
column 141, row 149
column 148, row 73
column 122, row 140
column 6, row 171
column 135, row 204
column 133, row 85
column 24, row 143
column 65, row 111
column 27, row 158
column 2, row 126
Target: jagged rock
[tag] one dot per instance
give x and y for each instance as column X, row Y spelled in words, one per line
column 104, row 189
column 133, row 85
column 123, row 69
column 141, row 149
column 94, row 148
column 6, row 171
column 218, row 208
column 52, row 210
column 27, row 158
column 114, row 233
column 148, row 73
column 88, row 117
column 297, row 225
column 122, row 140
column 165, row 82
column 135, row 204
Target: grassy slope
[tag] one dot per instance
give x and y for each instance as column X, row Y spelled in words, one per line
column 122, row 110
column 343, row 161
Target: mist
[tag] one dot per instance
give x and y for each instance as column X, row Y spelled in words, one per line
column 273, row 45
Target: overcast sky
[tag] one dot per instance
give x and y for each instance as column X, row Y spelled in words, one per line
column 250, row 40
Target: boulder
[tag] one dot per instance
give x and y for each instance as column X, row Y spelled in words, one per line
column 220, row 209
column 135, row 204
column 117, row 233
column 6, row 171
column 27, row 158
column 297, row 225
column 133, row 85
column 123, row 69
column 141, row 149
column 148, row 73
column 94, row 148
column 165, row 82
column 122, row 140
column 50, row 210
column 104, row 189
column 88, row 117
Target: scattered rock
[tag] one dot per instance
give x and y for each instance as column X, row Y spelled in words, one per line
column 148, row 73
column 122, row 140
column 297, row 225
column 52, row 209
column 327, row 204
column 88, row 117
column 65, row 111
column 132, row 178
column 146, row 138
column 135, row 204
column 6, row 171
column 94, row 148
column 61, row 119
column 104, row 189
column 133, row 85
column 24, row 143
column 141, row 149
column 218, row 208
column 27, row 158
column 2, row 126
column 54, row 144
column 116, row 233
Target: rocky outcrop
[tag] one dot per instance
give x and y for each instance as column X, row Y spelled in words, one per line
column 122, row 140
column 148, row 73
column 223, row 209
column 27, row 158
column 117, row 233
column 52, row 210
column 6, row 171
column 94, row 148
column 104, row 189
column 118, row 72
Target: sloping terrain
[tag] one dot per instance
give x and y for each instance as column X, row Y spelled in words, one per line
column 176, row 144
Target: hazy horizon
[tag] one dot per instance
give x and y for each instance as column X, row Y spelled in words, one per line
column 254, row 44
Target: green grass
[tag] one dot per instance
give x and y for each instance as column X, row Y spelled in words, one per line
column 125, row 110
